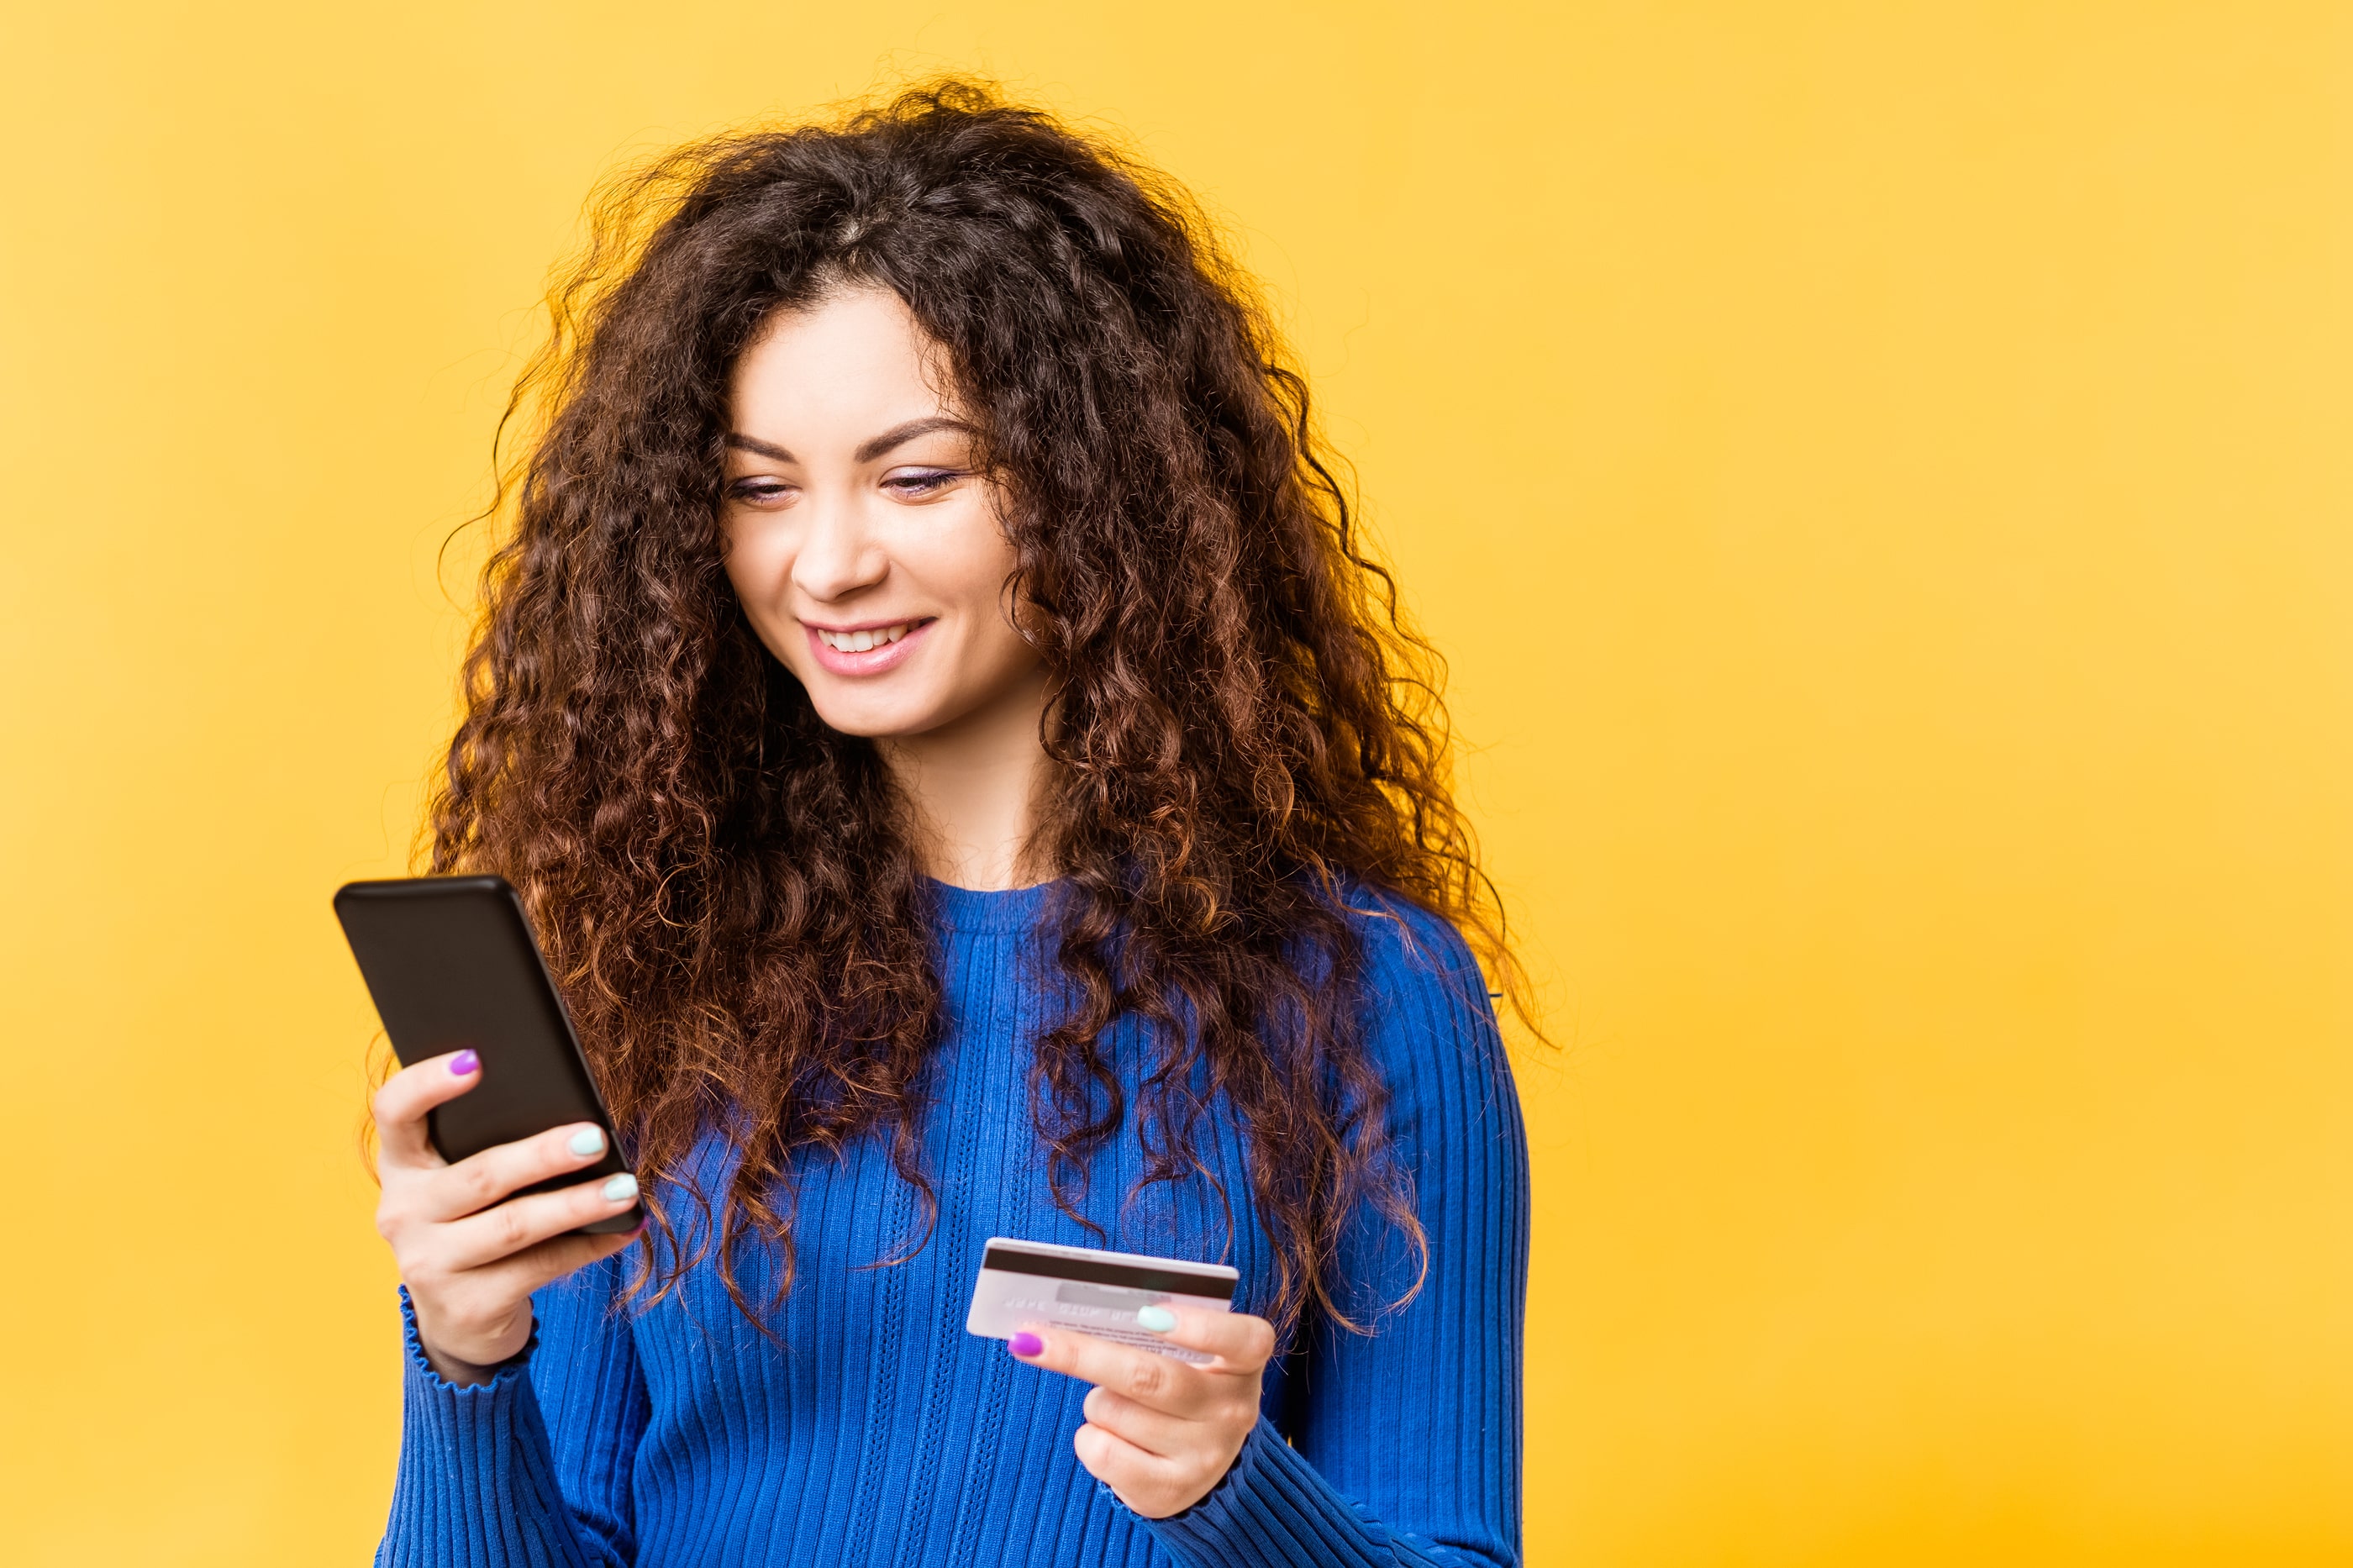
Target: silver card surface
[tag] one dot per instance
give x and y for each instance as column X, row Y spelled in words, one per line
column 1024, row 1284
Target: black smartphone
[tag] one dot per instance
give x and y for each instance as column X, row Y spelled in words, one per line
column 451, row 963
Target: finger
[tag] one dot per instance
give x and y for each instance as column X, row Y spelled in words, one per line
column 476, row 1181
column 1149, row 1483
column 1151, row 1430
column 1240, row 1342
column 522, row 1223
column 401, row 1104
column 1162, row 1382
column 553, row 1260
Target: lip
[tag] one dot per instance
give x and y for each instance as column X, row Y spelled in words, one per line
column 874, row 660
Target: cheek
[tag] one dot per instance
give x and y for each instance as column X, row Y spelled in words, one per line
column 971, row 567
column 739, row 562
column 754, row 566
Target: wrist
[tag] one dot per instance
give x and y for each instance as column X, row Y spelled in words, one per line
column 489, row 1357
column 452, row 1370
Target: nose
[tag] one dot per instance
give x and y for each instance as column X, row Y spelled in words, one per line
column 837, row 556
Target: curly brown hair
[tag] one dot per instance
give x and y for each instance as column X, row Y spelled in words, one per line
column 1247, row 731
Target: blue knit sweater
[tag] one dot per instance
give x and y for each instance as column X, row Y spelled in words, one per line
column 880, row 1432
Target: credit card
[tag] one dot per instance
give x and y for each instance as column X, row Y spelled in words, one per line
column 1025, row 1283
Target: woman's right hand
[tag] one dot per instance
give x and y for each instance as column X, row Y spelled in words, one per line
column 469, row 1262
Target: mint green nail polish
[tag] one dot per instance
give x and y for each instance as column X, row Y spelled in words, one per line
column 589, row 1140
column 1159, row 1319
column 620, row 1188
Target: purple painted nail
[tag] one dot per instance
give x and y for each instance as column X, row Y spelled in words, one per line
column 464, row 1062
column 1025, row 1344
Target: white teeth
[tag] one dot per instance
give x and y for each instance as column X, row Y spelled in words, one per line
column 862, row 642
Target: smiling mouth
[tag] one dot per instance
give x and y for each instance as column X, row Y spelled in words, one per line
column 866, row 638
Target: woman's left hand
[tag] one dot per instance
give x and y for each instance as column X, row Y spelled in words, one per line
column 1159, row 1432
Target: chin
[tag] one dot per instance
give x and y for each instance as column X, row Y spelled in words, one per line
column 871, row 719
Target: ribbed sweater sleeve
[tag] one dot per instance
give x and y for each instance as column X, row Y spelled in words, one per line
column 1404, row 1445
column 483, row 1483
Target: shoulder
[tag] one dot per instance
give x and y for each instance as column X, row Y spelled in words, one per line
column 1427, row 1007
column 1410, row 950
column 1430, row 1028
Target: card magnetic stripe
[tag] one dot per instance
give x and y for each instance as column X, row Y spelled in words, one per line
column 1216, row 1287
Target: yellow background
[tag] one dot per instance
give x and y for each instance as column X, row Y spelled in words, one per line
column 1881, row 473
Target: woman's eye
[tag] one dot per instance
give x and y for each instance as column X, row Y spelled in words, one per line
column 759, row 492
column 920, row 482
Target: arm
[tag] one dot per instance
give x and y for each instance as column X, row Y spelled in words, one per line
column 507, row 1309
column 533, row 1465
column 1405, row 1445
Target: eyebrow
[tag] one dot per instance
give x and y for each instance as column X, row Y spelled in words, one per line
column 905, row 433
column 867, row 451
column 754, row 444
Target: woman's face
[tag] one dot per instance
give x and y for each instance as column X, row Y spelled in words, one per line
column 866, row 550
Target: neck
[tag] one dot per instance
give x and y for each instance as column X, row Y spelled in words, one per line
column 976, row 787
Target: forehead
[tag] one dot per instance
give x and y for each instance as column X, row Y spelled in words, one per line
column 852, row 363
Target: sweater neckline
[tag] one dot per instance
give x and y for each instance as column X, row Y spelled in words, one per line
column 988, row 910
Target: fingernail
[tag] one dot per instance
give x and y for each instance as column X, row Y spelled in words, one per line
column 620, row 1189
column 464, row 1062
column 1025, row 1344
column 1159, row 1319
column 587, row 1140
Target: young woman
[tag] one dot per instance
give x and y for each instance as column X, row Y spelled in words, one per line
column 968, row 785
